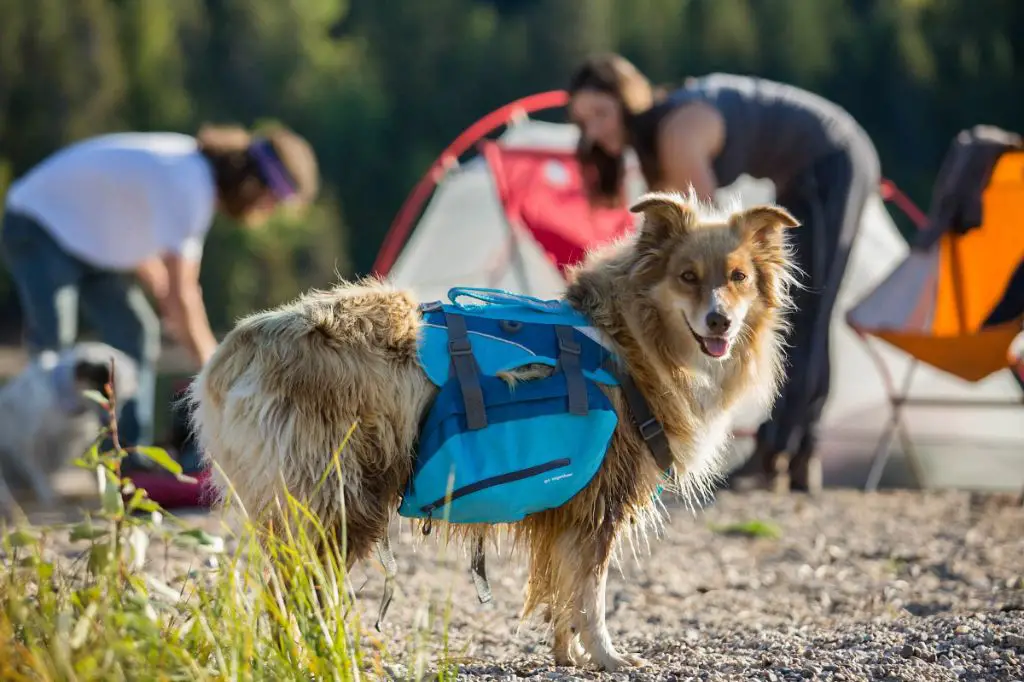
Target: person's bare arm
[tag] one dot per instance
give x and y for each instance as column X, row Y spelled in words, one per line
column 690, row 139
column 186, row 309
column 153, row 274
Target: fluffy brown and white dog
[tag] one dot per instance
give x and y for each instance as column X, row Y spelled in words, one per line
column 693, row 303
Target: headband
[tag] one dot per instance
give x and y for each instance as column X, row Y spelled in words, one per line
column 274, row 173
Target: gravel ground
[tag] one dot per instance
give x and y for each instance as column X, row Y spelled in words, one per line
column 891, row 586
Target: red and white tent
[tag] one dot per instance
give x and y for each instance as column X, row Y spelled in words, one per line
column 514, row 214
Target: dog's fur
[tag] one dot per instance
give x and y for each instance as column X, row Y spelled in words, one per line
column 284, row 387
column 46, row 421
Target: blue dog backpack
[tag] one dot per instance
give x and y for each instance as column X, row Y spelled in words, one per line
column 489, row 452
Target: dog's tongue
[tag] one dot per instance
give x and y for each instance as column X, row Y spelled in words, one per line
column 715, row 346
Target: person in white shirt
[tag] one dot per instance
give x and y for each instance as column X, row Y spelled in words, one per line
column 90, row 223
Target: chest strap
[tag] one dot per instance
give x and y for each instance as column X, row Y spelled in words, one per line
column 643, row 418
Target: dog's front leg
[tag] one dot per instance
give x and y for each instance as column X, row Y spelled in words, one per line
column 594, row 630
column 591, row 580
column 31, row 469
column 8, row 504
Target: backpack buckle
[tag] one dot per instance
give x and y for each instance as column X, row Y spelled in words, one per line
column 650, row 429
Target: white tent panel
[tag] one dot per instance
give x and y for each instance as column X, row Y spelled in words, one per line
column 464, row 239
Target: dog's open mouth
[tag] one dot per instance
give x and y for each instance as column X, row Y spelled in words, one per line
column 714, row 346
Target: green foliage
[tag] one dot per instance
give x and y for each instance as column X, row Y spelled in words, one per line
column 755, row 528
column 381, row 86
column 270, row 608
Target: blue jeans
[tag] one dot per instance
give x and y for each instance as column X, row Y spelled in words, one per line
column 52, row 284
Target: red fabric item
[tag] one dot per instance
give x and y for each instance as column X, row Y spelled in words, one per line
column 169, row 492
column 542, row 190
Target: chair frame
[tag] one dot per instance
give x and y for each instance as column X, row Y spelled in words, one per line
column 898, row 397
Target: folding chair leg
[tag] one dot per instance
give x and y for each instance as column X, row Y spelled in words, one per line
column 910, row 452
column 883, row 451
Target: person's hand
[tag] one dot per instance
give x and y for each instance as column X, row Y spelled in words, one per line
column 170, row 318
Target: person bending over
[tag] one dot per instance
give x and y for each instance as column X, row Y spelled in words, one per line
column 85, row 226
column 708, row 133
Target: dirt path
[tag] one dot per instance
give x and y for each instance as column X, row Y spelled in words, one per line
column 898, row 586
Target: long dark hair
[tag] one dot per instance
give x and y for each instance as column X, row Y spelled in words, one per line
column 237, row 173
column 643, row 107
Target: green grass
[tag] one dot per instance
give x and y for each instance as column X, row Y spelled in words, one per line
column 749, row 529
column 273, row 609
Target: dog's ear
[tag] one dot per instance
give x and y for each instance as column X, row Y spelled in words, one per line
column 666, row 215
column 763, row 225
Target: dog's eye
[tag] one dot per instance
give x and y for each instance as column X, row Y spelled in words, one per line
column 690, row 277
column 738, row 275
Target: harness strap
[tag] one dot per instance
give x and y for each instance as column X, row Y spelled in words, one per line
column 466, row 371
column 569, row 351
column 483, row 586
column 648, row 425
column 387, row 560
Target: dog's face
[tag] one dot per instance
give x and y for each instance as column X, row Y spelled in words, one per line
column 91, row 375
column 714, row 274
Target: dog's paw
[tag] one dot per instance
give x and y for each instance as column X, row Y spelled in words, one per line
column 573, row 656
column 618, row 662
column 637, row 661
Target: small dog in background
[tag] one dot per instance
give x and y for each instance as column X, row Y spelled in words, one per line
column 46, row 420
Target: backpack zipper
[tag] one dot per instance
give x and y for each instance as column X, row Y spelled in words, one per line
column 510, row 477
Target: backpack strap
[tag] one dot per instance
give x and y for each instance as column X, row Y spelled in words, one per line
column 466, row 371
column 648, row 425
column 387, row 560
column 483, row 586
column 569, row 351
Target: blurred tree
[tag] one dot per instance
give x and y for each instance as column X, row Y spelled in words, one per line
column 380, row 87
column 61, row 75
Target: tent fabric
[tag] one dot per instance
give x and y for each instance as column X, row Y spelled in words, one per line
column 938, row 304
column 513, row 218
column 542, row 191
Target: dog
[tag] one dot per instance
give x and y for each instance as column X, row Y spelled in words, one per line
column 694, row 302
column 46, row 420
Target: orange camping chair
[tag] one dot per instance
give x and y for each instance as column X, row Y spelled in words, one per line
column 937, row 306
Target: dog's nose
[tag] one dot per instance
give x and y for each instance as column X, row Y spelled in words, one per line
column 717, row 323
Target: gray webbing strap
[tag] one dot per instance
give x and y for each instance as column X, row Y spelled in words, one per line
column 483, row 587
column 569, row 360
column 387, row 560
column 650, row 429
column 461, row 352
